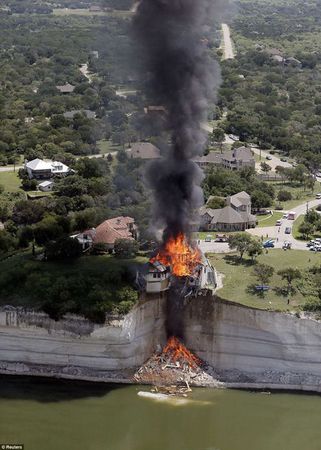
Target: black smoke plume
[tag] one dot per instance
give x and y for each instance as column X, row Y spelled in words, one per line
column 181, row 78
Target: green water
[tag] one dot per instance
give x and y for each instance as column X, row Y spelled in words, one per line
column 46, row 415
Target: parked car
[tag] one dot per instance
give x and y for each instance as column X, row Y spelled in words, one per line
column 208, row 238
column 287, row 230
column 278, row 223
column 221, row 238
column 268, row 244
column 283, row 159
column 285, row 216
column 269, row 157
column 318, row 196
column 287, row 245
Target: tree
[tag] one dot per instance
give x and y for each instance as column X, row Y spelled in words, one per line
column 215, row 202
column 306, row 229
column 218, row 135
column 265, row 167
column 64, row 248
column 260, row 199
column 289, row 274
column 88, row 168
column 125, row 248
column 240, row 242
column 263, row 273
column 254, row 249
column 284, row 196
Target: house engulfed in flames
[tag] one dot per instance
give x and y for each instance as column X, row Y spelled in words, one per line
column 179, row 261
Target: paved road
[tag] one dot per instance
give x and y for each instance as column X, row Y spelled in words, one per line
column 275, row 161
column 278, row 233
column 228, row 52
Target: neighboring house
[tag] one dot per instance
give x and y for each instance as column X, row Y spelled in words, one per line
column 43, row 170
column 277, row 59
column 207, row 161
column 292, row 62
column 108, row 233
column 71, row 114
column 235, row 216
column 95, row 8
column 86, row 238
column 46, row 186
column 144, row 150
column 235, row 159
column 238, row 158
column 66, row 88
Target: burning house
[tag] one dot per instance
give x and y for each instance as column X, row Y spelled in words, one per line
column 178, row 262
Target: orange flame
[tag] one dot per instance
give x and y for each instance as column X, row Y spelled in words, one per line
column 176, row 351
column 178, row 254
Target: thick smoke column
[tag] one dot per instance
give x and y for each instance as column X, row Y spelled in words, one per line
column 181, row 78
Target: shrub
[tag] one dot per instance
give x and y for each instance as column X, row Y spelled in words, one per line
column 284, row 196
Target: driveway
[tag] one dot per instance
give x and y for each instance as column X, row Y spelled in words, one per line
column 228, row 52
column 273, row 162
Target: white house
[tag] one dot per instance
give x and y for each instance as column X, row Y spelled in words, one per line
column 157, row 278
column 46, row 186
column 44, row 170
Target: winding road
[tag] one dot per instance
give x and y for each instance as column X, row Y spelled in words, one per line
column 227, row 45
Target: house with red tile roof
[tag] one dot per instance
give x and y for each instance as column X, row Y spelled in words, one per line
column 108, row 232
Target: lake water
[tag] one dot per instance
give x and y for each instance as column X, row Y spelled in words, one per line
column 51, row 415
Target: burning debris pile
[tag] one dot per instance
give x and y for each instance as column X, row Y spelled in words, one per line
column 174, row 366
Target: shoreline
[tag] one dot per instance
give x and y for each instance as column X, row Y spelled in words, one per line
column 115, row 379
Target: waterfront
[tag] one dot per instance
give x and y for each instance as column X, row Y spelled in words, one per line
column 46, row 414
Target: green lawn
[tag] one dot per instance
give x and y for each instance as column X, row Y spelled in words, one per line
column 106, row 147
column 10, row 181
column 238, row 277
column 269, row 220
column 299, row 196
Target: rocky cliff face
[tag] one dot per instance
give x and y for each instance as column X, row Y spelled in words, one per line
column 244, row 347
column 33, row 344
column 249, row 347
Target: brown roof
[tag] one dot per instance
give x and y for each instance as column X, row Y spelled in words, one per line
column 66, row 88
column 239, row 154
column 212, row 157
column 144, row 150
column 111, row 230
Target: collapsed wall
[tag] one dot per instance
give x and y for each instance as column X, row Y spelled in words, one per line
column 253, row 348
column 33, row 344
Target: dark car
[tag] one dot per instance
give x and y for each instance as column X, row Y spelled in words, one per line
column 287, row 230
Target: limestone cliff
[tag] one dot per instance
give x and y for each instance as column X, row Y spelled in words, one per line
column 244, row 347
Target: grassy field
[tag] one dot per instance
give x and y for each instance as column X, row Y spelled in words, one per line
column 269, row 220
column 106, row 147
column 299, row 196
column 238, row 277
column 10, row 181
